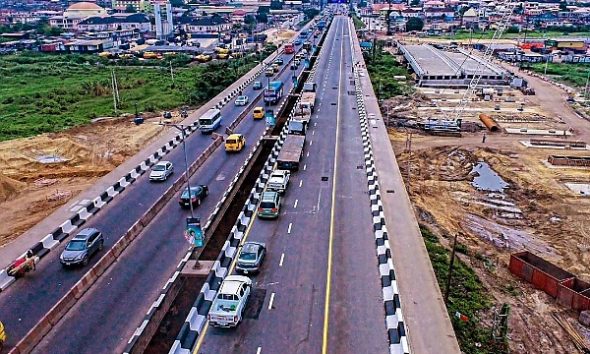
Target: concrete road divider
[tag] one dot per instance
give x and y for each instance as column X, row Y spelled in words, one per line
column 59, row 310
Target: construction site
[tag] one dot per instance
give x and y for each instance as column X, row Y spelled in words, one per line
column 500, row 159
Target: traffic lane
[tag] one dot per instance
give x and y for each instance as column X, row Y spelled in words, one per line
column 131, row 285
column 296, row 272
column 22, row 305
column 356, row 310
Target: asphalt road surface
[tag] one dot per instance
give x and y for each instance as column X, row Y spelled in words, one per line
column 111, row 311
column 318, row 290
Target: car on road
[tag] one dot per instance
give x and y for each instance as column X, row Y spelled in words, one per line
column 258, row 113
column 275, row 67
column 270, row 71
column 279, row 61
column 235, row 143
column 79, row 249
column 270, row 205
column 257, row 85
column 297, row 62
column 227, row 309
column 161, row 171
column 279, row 181
column 251, row 257
column 297, row 42
column 241, row 100
column 197, row 194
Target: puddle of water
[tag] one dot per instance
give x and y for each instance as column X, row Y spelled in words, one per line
column 487, row 179
column 50, row 159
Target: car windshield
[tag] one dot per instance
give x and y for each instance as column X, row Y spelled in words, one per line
column 194, row 190
column 76, row 245
column 230, row 141
column 242, row 98
column 204, row 121
column 159, row 168
column 248, row 256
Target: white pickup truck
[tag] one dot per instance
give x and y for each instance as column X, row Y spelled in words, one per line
column 278, row 181
column 229, row 304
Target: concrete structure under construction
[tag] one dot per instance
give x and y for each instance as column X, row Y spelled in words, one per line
column 451, row 68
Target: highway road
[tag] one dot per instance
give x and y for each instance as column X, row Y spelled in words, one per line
column 319, row 288
column 107, row 314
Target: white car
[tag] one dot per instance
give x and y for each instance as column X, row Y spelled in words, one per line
column 241, row 101
column 278, row 181
column 161, row 171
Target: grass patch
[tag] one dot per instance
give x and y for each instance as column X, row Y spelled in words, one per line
column 467, row 296
column 45, row 93
column 382, row 67
column 358, row 24
column 574, row 74
column 462, row 34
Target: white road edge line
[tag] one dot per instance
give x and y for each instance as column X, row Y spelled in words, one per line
column 282, row 259
column 289, row 228
column 272, row 299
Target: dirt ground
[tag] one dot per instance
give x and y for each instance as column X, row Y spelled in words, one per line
column 537, row 212
column 279, row 35
column 41, row 173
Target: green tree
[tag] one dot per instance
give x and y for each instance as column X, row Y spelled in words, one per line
column 311, row 13
column 262, row 17
column 563, row 6
column 414, row 24
column 276, row 5
column 177, row 3
column 130, row 9
column 415, row 3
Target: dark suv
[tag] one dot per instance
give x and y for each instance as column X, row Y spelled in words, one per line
column 79, row 249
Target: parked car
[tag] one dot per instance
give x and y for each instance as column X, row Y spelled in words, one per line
column 228, row 306
column 270, row 205
column 198, row 193
column 242, row 100
column 167, row 115
column 251, row 257
column 257, row 85
column 161, row 171
column 79, row 249
column 258, row 113
column 235, row 143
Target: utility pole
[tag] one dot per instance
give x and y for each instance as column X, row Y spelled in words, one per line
column 115, row 90
column 587, row 87
column 171, row 73
column 448, row 289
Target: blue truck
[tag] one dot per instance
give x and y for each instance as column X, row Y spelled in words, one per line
column 273, row 92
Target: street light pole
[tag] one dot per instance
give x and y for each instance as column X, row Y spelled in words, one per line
column 188, row 185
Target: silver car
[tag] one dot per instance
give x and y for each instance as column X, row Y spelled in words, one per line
column 241, row 101
column 79, row 249
column 251, row 257
column 161, row 171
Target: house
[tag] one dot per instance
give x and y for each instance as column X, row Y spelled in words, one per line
column 88, row 45
column 138, row 22
column 75, row 14
column 470, row 19
column 442, row 13
column 210, row 24
column 407, row 13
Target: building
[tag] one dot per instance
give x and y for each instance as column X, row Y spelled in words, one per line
column 470, row 19
column 88, row 45
column 145, row 6
column 138, row 22
column 76, row 13
column 211, row 24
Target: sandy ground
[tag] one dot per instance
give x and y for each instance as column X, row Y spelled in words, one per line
column 536, row 213
column 41, row 173
column 278, row 36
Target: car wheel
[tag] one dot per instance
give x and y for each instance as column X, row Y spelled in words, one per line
column 85, row 261
column 101, row 245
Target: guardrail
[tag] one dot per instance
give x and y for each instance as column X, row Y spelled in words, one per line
column 58, row 311
column 394, row 320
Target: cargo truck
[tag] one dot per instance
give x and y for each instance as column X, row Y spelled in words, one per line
column 273, row 92
column 306, row 103
column 291, row 153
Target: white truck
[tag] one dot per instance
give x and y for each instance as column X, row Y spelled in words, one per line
column 307, row 101
column 278, row 181
column 299, row 123
column 228, row 307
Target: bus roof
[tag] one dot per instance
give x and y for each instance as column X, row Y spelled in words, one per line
column 210, row 114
